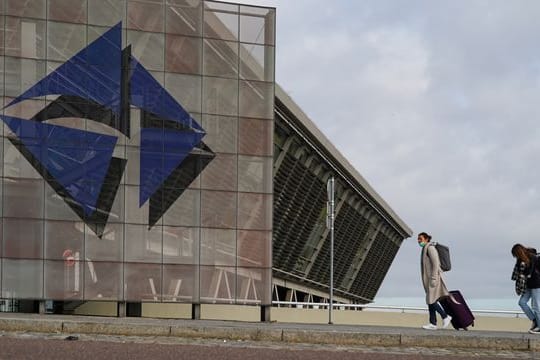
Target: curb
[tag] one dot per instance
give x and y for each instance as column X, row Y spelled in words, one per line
column 360, row 337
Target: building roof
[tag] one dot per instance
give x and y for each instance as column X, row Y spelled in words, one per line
column 326, row 146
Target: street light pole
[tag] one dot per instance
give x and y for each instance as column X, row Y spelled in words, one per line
column 330, row 185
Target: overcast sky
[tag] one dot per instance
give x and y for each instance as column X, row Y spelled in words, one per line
column 436, row 104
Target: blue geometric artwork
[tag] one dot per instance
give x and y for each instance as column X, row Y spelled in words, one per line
column 100, row 83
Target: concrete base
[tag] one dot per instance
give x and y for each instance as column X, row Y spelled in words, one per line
column 230, row 312
column 97, row 308
column 166, row 311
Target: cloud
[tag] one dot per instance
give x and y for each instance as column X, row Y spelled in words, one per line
column 436, row 105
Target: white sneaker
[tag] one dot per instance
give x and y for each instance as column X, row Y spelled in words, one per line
column 429, row 327
column 446, row 321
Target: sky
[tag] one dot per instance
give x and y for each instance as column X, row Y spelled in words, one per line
column 436, row 104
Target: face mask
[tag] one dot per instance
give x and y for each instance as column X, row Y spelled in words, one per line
column 422, row 244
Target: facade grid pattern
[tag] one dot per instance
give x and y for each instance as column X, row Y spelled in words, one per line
column 213, row 244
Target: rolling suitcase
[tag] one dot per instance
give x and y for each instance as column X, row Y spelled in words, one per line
column 457, row 308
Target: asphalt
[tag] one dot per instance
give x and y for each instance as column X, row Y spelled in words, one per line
column 283, row 333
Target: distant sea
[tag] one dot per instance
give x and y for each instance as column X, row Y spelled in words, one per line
column 474, row 304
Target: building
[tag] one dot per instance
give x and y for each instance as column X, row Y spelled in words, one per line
column 138, row 159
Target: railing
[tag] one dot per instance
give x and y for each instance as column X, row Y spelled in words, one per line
column 401, row 309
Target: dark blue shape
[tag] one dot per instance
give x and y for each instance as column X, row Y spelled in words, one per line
column 93, row 73
column 162, row 151
column 147, row 94
column 80, row 166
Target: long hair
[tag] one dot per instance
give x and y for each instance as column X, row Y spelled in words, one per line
column 521, row 253
column 425, row 236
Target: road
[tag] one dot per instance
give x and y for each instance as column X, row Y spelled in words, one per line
column 54, row 346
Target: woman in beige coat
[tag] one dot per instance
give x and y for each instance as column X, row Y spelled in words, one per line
column 432, row 280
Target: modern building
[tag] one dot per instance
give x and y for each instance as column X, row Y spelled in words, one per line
column 149, row 158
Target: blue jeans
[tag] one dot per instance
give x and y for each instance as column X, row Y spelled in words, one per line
column 535, row 297
column 524, row 304
column 436, row 307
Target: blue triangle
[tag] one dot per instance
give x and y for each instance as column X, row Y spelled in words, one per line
column 78, row 160
column 162, row 150
column 147, row 94
column 93, row 73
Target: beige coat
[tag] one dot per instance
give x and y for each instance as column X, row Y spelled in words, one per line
column 432, row 274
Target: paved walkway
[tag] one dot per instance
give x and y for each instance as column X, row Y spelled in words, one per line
column 344, row 335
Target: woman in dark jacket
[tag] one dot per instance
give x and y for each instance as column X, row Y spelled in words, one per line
column 527, row 279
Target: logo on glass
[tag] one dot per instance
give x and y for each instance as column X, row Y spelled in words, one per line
column 101, row 83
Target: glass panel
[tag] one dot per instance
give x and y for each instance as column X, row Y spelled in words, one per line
column 23, row 238
column 255, row 174
column 220, row 174
column 220, row 96
column 29, row 270
column 117, row 210
column 221, row 133
column 132, row 169
column 186, row 89
column 24, row 110
column 220, row 58
column 21, row 74
column 63, row 240
column 109, row 248
column 143, row 244
column 34, row 8
column 23, row 198
column 255, row 137
column 218, row 209
column 183, row 54
column 134, row 213
column 184, row 17
column 105, row 12
column 64, row 40
column 180, row 283
column 142, row 282
column 16, row 165
column 180, row 245
column 257, row 62
column 218, row 284
column 253, row 286
column 186, row 211
column 68, row 10
column 148, row 48
column 254, row 248
column 145, row 16
column 218, row 247
column 254, row 211
column 256, row 99
column 102, row 280
column 221, row 21
column 63, row 280
column 56, row 207
column 257, row 25
column 24, row 37
column 2, row 32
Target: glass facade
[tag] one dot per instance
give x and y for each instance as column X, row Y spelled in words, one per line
column 136, row 150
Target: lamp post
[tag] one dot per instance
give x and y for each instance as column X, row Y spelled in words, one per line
column 330, row 185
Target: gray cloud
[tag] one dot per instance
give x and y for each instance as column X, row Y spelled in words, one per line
column 435, row 103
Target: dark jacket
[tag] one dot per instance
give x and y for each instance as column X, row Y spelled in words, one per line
column 533, row 273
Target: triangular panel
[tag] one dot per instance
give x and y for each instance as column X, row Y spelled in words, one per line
column 93, row 73
column 162, row 151
column 147, row 94
column 78, row 160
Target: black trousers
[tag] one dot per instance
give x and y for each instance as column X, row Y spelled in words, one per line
column 433, row 308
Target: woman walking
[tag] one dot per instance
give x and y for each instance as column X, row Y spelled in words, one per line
column 527, row 283
column 433, row 283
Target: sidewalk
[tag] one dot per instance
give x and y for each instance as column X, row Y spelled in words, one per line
column 270, row 332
